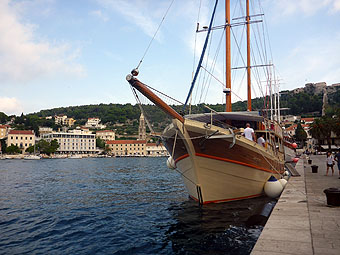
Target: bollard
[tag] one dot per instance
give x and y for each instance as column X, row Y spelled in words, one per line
column 314, row 169
column 333, row 196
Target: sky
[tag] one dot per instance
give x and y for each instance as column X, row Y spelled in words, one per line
column 59, row 53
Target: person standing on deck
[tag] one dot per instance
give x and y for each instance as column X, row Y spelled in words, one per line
column 337, row 159
column 249, row 133
column 330, row 162
column 261, row 140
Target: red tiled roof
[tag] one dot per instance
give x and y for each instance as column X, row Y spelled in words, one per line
column 292, row 127
column 104, row 131
column 307, row 119
column 20, row 132
column 5, row 126
column 126, row 142
column 151, row 144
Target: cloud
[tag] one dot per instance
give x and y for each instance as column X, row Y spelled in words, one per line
column 316, row 59
column 24, row 57
column 307, row 7
column 138, row 13
column 10, row 105
column 100, row 15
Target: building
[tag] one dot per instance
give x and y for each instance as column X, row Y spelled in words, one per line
column 69, row 122
column 21, row 138
column 45, row 130
column 307, row 120
column 106, row 135
column 291, row 130
column 127, row 147
column 75, row 142
column 3, row 131
column 59, row 119
column 154, row 150
column 141, row 128
column 94, row 123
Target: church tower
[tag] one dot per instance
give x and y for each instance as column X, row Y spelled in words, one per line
column 141, row 128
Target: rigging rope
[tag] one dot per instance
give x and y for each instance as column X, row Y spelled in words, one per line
column 159, row 26
column 201, row 58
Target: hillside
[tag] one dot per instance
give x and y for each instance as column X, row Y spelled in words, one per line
column 307, row 101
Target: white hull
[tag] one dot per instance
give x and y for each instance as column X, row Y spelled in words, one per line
column 221, row 181
column 217, row 173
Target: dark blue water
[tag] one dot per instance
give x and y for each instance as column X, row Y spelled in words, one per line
column 113, row 206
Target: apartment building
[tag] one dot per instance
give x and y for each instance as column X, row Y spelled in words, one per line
column 3, row 131
column 45, row 130
column 21, row 138
column 127, row 147
column 59, row 119
column 73, row 142
column 106, row 135
column 94, row 123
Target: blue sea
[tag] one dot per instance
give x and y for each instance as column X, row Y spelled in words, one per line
column 114, row 206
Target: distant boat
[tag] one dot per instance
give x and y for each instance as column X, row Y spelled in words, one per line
column 32, row 157
column 75, row 156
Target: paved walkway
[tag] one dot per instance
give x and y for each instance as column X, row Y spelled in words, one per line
column 301, row 222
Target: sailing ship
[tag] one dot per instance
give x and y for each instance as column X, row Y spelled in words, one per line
column 216, row 161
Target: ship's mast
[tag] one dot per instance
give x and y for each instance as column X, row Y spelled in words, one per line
column 248, row 56
column 228, row 57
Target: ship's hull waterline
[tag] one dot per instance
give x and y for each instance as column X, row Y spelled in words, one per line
column 218, row 165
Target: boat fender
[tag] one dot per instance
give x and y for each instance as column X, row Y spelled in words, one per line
column 273, row 187
column 286, row 175
column 171, row 163
column 283, row 182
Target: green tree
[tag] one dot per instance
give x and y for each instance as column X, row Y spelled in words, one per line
column 322, row 128
column 47, row 147
column 300, row 134
column 3, row 118
column 30, row 149
column 13, row 149
column 107, row 149
column 100, row 143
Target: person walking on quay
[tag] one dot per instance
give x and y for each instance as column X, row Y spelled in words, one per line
column 330, row 162
column 337, row 159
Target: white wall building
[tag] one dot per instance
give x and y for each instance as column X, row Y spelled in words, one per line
column 76, row 142
column 106, row 135
column 59, row 119
column 94, row 123
column 154, row 150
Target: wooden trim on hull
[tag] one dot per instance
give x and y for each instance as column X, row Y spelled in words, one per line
column 182, row 157
column 227, row 200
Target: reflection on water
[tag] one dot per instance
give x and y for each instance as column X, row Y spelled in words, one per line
column 114, row 206
column 214, row 228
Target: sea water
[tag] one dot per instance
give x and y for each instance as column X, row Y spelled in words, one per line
column 113, row 206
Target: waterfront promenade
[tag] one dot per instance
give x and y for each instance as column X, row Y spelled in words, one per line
column 301, row 222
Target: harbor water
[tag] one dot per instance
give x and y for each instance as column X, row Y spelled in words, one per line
column 114, row 206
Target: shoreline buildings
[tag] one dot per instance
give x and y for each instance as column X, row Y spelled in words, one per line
column 73, row 142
